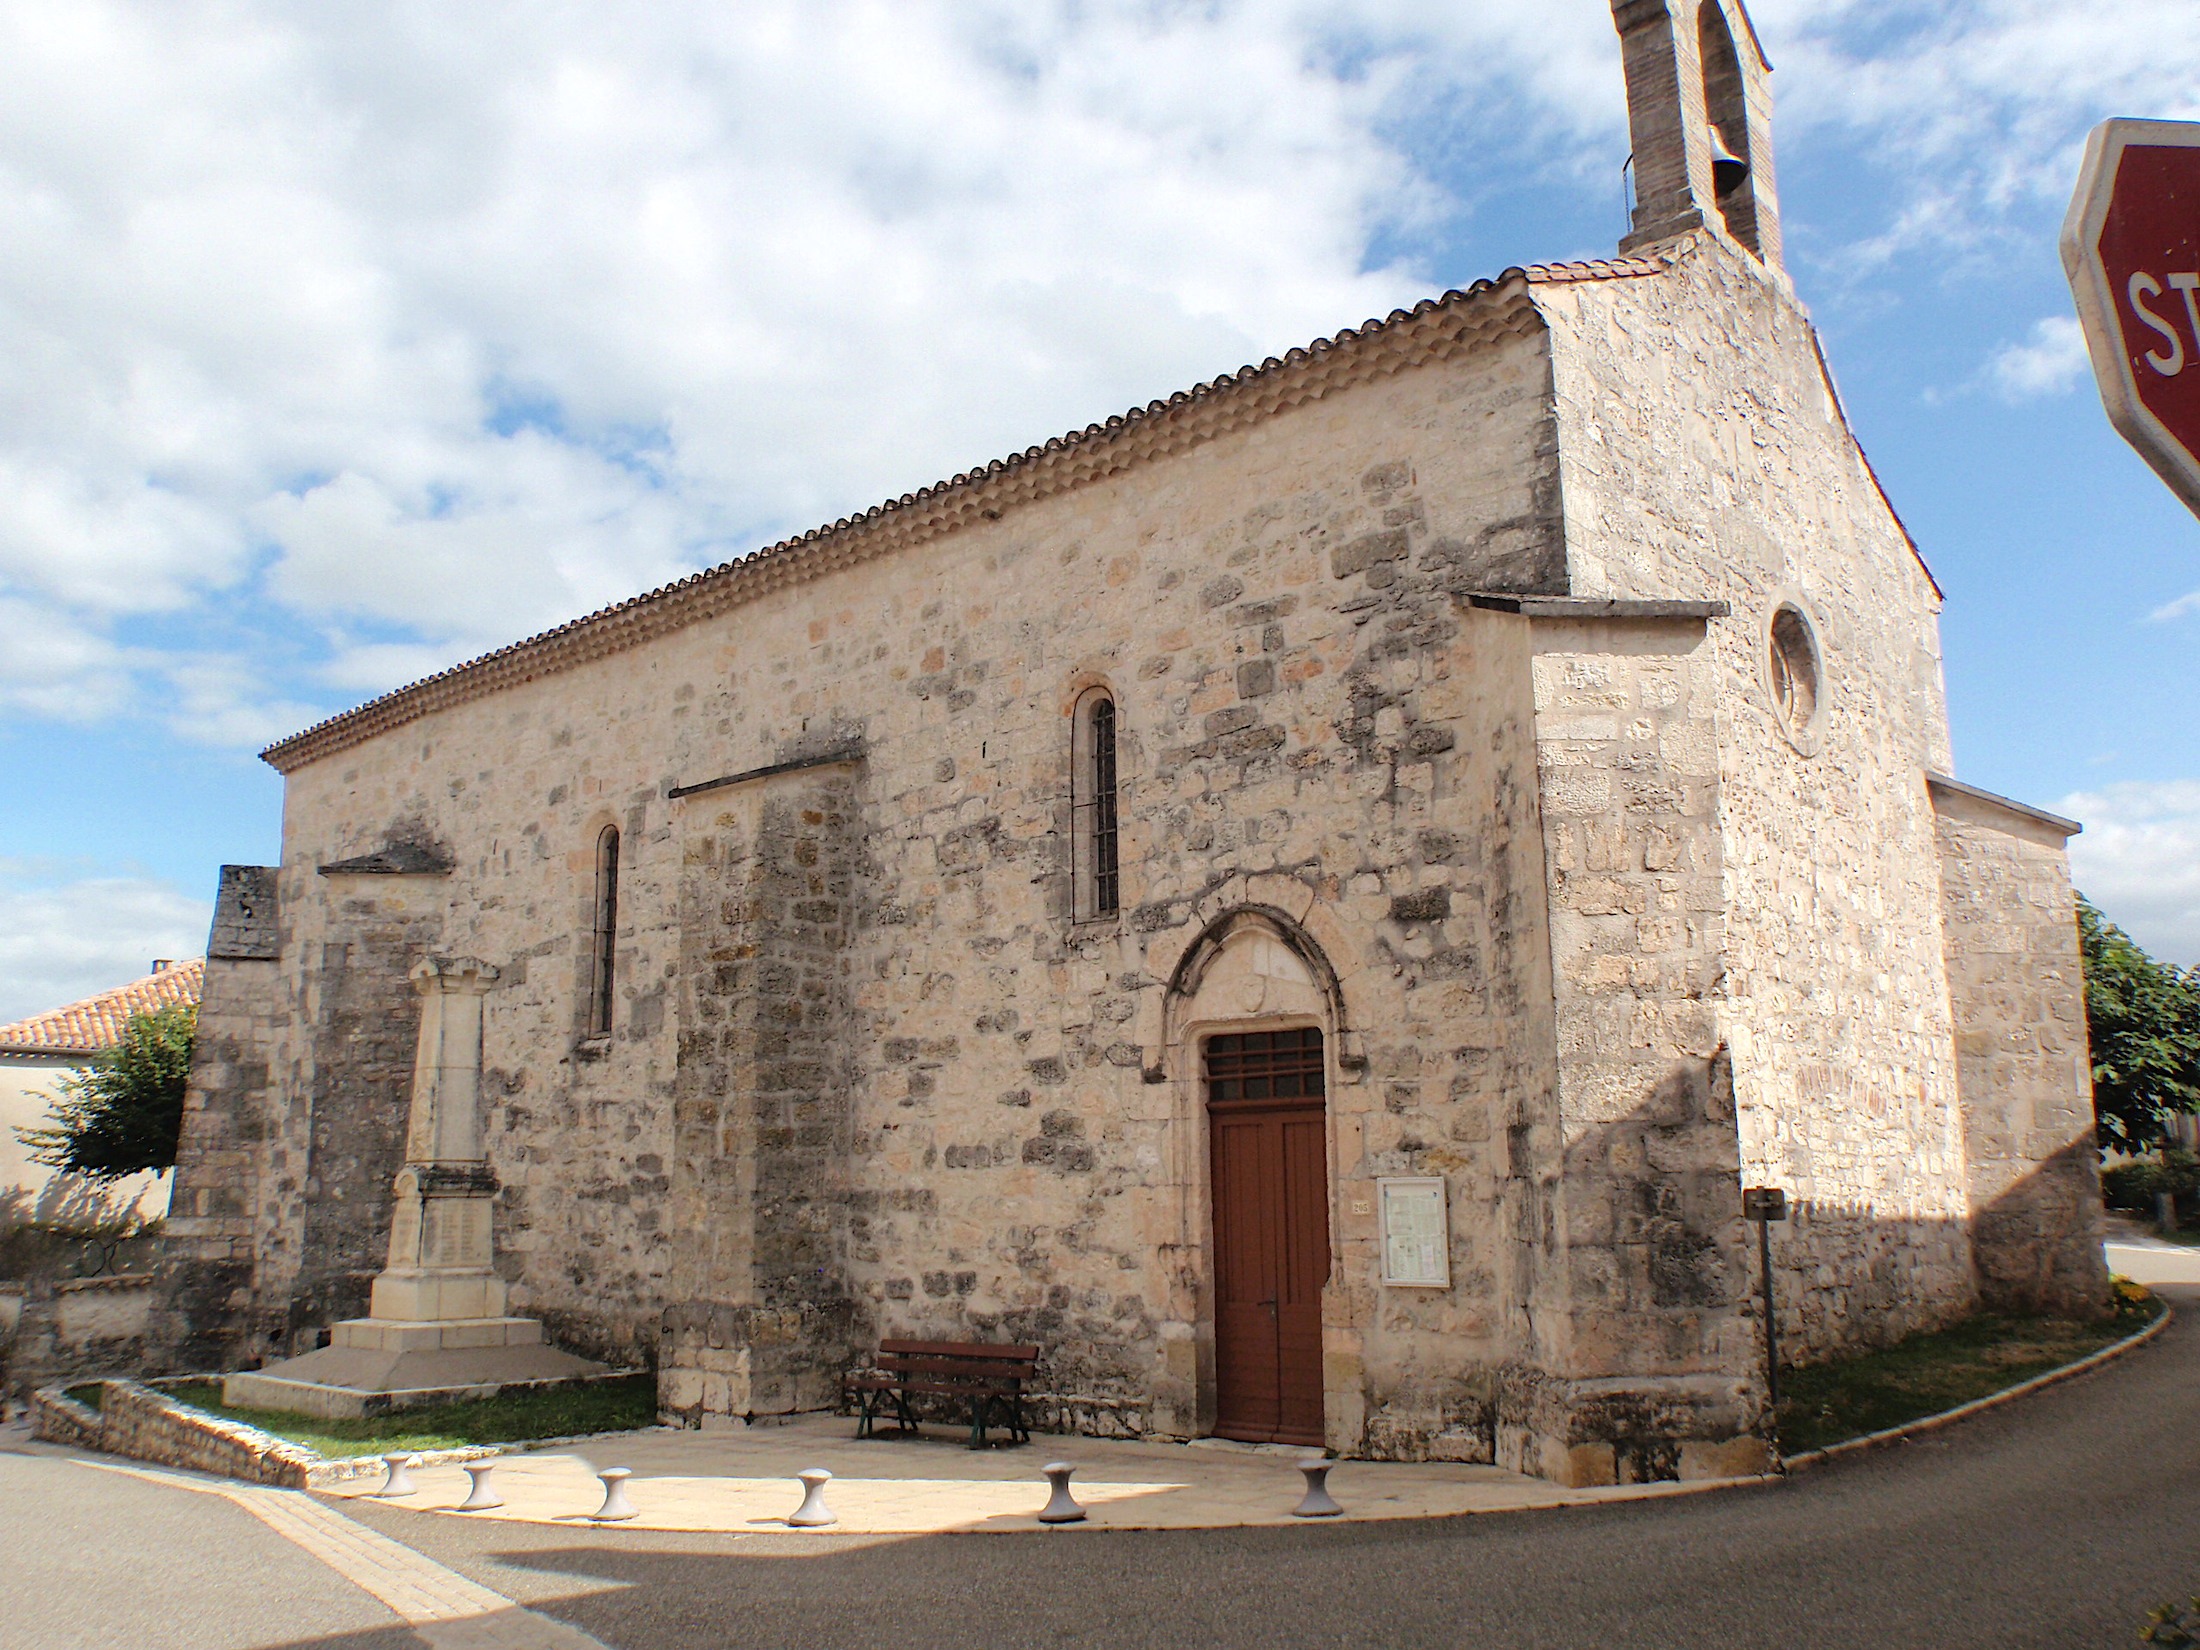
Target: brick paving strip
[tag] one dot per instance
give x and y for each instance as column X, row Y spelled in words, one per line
column 441, row 1606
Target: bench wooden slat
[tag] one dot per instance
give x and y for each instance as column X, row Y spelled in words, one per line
column 950, row 1390
column 938, row 1366
column 963, row 1349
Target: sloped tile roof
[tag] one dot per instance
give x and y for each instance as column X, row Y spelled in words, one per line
column 1433, row 329
column 96, row 1022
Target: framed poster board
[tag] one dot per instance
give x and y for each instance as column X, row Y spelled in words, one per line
column 1416, row 1232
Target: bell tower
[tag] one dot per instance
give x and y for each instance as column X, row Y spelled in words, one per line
column 1699, row 108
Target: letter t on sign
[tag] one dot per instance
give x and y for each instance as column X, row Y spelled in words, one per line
column 2188, row 282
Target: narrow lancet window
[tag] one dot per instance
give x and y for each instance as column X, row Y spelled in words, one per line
column 1107, row 882
column 1095, row 853
column 603, row 961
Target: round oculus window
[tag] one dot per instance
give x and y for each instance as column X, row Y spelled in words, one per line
column 1792, row 668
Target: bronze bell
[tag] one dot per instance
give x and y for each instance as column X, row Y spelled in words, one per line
column 1728, row 170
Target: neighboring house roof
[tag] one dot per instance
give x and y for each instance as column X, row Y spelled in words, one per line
column 1433, row 329
column 96, row 1023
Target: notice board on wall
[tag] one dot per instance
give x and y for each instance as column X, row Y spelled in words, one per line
column 1416, row 1232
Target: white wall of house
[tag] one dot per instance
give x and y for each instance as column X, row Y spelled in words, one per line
column 29, row 1084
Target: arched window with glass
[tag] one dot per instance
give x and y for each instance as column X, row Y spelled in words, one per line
column 1096, row 852
column 604, row 939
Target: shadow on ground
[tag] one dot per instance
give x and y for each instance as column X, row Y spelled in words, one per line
column 2056, row 1521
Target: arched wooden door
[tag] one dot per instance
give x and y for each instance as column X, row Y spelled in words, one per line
column 1268, row 1136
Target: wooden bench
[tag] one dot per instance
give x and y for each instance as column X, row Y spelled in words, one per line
column 989, row 1378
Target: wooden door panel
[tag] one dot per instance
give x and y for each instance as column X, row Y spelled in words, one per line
column 1246, row 1366
column 1304, row 1148
column 1269, row 1154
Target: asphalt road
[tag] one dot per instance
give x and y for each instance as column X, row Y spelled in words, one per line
column 2057, row 1521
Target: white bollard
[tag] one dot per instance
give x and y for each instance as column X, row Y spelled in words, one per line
column 1317, row 1502
column 813, row 1513
column 399, row 1481
column 615, row 1504
column 483, row 1495
column 1061, row 1507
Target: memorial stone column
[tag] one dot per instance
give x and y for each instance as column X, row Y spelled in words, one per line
column 441, row 1246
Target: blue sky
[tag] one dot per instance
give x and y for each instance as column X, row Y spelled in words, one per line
column 340, row 343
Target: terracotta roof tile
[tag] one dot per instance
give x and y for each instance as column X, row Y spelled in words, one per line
column 1596, row 269
column 96, row 1022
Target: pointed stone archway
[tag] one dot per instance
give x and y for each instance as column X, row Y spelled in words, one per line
column 1251, row 1029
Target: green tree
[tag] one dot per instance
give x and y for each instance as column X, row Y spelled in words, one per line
column 122, row 1113
column 2144, row 1019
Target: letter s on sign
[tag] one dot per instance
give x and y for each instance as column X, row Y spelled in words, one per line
column 2170, row 365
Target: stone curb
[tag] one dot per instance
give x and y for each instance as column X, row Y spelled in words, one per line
column 1962, row 1412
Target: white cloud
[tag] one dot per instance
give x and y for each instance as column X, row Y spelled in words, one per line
column 64, row 938
column 419, row 328
column 2139, row 861
column 221, row 700
column 53, row 667
column 1979, row 108
column 460, row 321
column 2182, row 607
column 2050, row 362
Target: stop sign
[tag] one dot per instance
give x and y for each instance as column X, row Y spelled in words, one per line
column 2131, row 246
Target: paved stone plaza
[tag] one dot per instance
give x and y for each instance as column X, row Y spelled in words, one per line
column 2026, row 1526
column 745, row 1482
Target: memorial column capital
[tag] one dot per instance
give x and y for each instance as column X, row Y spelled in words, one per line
column 454, row 974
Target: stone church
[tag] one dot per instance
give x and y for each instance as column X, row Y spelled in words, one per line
column 1310, row 900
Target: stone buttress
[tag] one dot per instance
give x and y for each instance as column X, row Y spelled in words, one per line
column 761, row 1320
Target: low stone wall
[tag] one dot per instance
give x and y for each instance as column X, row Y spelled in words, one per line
column 60, row 1419
column 54, row 1332
column 144, row 1425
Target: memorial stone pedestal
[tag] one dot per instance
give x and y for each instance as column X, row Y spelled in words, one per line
column 437, row 1328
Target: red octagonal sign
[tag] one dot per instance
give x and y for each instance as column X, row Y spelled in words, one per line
column 2132, row 248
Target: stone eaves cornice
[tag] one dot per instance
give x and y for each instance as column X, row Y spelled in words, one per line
column 1436, row 329
column 1940, row 784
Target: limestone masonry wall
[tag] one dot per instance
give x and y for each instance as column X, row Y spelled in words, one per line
column 2017, row 982
column 217, row 1215
column 1696, row 469
column 1273, row 611
column 1650, row 1280
column 1599, row 920
column 762, row 1319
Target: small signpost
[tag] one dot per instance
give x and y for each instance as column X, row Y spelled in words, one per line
column 1764, row 1205
column 2131, row 247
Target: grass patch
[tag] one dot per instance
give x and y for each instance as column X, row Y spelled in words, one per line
column 1824, row 1404
column 89, row 1396
column 617, row 1405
